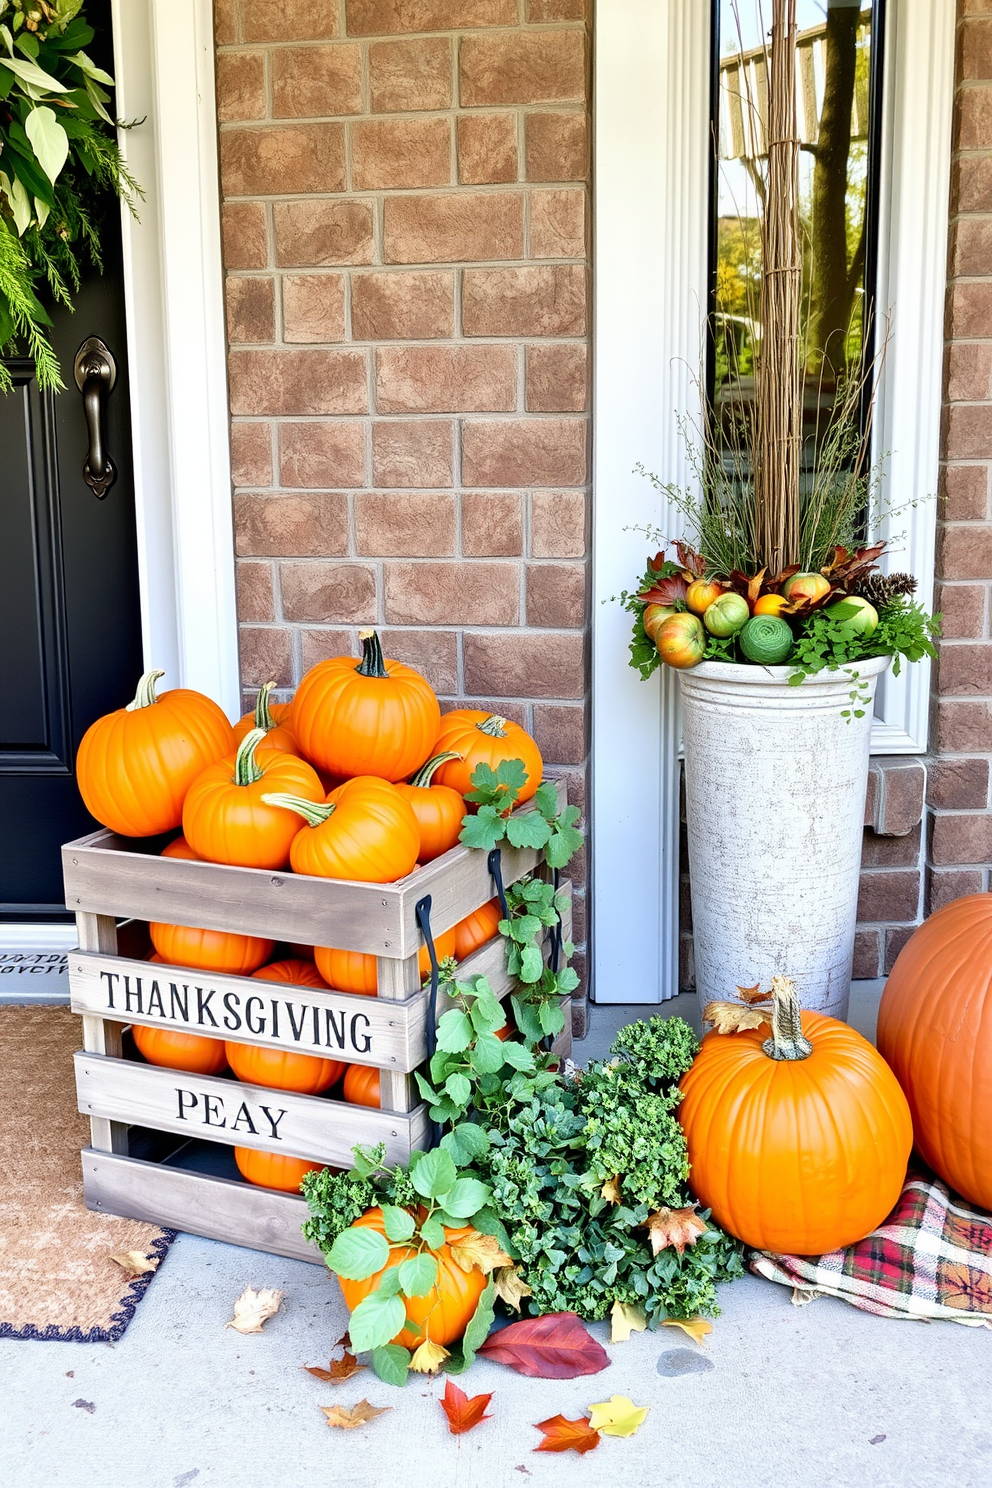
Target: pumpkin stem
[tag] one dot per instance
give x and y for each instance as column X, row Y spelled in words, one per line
column 788, row 1040
column 494, row 726
column 372, row 663
column 263, row 717
column 246, row 770
column 425, row 774
column 315, row 813
column 145, row 695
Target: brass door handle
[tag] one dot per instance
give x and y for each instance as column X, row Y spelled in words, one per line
column 96, row 372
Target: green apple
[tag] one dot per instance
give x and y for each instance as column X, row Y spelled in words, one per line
column 725, row 616
column 856, row 612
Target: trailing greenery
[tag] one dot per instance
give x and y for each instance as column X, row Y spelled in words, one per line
column 59, row 161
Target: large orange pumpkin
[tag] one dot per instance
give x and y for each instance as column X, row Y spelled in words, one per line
column 226, row 818
column 445, row 1312
column 438, row 808
column 209, row 950
column 136, row 764
column 361, row 1085
column 477, row 928
column 294, row 970
column 283, row 1069
column 274, row 1169
column 935, row 1030
column 797, row 1142
column 484, row 739
column 365, row 831
column 180, row 1051
column 180, row 848
column 266, row 716
column 373, row 717
column 354, row 971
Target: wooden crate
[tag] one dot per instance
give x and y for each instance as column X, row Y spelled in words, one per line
column 109, row 878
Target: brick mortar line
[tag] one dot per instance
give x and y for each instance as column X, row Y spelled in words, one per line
column 372, row 38
column 451, row 111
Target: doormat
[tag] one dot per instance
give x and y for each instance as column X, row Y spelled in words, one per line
column 57, row 1280
column 932, row 1258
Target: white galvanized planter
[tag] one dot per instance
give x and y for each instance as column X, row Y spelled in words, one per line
column 775, row 790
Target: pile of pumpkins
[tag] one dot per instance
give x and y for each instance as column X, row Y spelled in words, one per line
column 360, row 777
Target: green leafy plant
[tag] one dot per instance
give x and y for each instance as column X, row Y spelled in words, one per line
column 547, row 828
column 59, row 160
column 534, row 908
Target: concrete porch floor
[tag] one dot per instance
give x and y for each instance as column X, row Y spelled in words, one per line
column 807, row 1397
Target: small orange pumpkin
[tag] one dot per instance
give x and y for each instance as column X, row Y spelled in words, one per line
column 373, row 717
column 209, row 950
column 365, row 831
column 484, row 739
column 226, row 818
column 283, row 1069
column 294, row 970
column 354, row 971
column 438, row 808
column 274, row 1169
column 277, row 735
column 361, row 1085
column 476, row 929
column 135, row 765
column 180, row 1051
column 180, row 848
column 445, row 1312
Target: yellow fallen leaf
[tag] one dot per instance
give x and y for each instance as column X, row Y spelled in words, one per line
column 624, row 1320
column 134, row 1262
column 253, row 1308
column 348, row 1417
column 673, row 1227
column 428, row 1358
column 479, row 1250
column 697, row 1327
column 511, row 1287
column 611, row 1189
column 618, row 1416
column 732, row 1017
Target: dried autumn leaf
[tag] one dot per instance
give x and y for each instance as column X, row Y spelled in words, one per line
column 690, row 559
column 666, row 592
column 479, row 1250
column 697, row 1327
column 555, row 1346
column 511, row 1287
column 618, row 1416
column 337, row 1371
column 611, row 1189
column 626, row 1319
column 134, row 1262
column 753, row 994
column 561, row 1435
column 673, row 1227
column 428, row 1357
column 732, row 1017
column 253, row 1308
column 463, row 1412
column 348, row 1417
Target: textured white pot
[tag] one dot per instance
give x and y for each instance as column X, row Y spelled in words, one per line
column 775, row 783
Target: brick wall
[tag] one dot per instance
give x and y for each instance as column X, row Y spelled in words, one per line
column 404, row 223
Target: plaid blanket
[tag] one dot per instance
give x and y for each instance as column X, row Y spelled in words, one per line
column 932, row 1258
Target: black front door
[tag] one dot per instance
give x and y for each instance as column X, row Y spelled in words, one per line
column 69, row 605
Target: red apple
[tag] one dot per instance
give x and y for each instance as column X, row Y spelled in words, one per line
column 811, row 586
column 681, row 640
column 653, row 615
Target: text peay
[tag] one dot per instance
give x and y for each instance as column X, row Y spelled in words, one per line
column 217, row 1111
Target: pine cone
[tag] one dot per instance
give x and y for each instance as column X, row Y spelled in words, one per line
column 880, row 589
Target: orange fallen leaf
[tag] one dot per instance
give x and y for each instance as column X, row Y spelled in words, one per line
column 463, row 1412
column 732, row 1017
column 673, row 1227
column 134, row 1262
column 337, row 1371
column 561, row 1435
column 753, row 994
column 348, row 1417
column 697, row 1327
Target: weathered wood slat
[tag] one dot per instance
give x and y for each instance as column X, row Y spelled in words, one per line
column 241, row 1115
column 336, row 1025
column 99, row 933
column 109, row 875
column 240, row 1213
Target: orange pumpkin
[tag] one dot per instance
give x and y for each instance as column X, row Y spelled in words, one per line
column 361, row 1085
column 294, row 970
column 798, row 1142
column 375, row 717
column 135, row 765
column 180, row 1051
column 365, row 831
column 476, row 929
column 445, row 1312
column 209, row 950
column 438, row 808
column 283, row 1069
column 935, row 1030
column 277, row 735
column 354, row 971
column 274, row 1169
column 180, row 848
column 226, row 818
column 485, row 739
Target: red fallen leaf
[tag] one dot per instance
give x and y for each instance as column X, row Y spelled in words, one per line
column 555, row 1346
column 463, row 1413
column 666, row 591
column 561, row 1435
